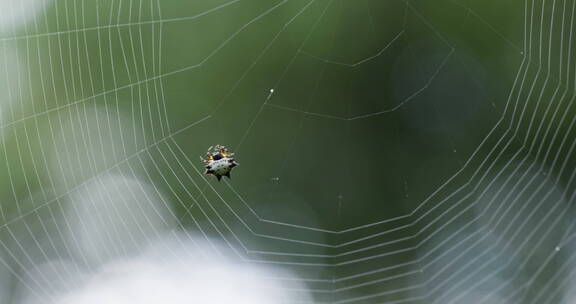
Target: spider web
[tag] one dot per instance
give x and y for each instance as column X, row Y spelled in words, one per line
column 391, row 151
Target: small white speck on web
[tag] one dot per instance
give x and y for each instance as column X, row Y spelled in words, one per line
column 557, row 248
column 269, row 95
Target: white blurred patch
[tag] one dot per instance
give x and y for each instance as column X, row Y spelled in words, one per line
column 179, row 278
column 14, row 13
column 115, row 215
column 174, row 270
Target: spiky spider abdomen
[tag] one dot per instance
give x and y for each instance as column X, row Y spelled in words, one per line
column 220, row 162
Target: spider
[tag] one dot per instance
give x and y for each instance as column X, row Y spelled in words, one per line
column 219, row 161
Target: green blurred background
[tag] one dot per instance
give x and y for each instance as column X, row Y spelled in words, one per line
column 422, row 113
